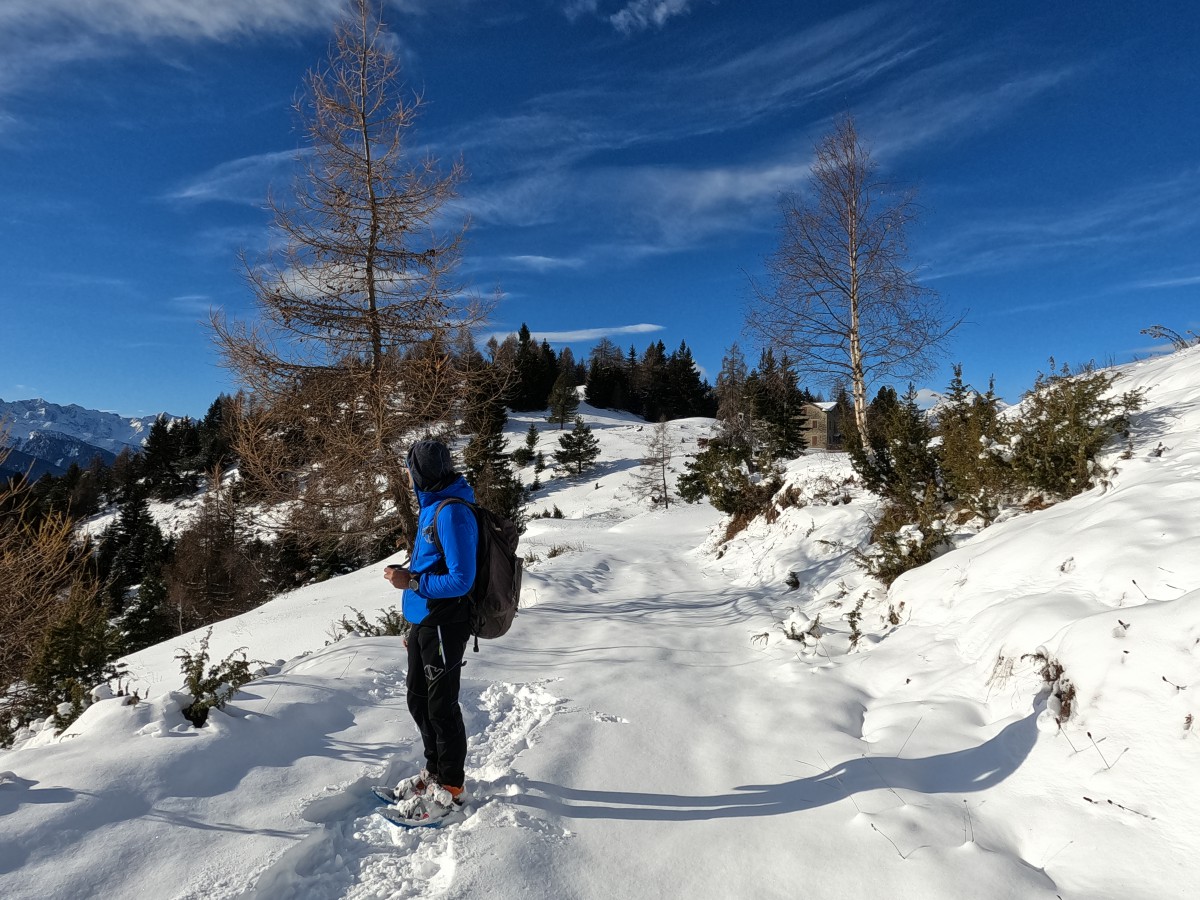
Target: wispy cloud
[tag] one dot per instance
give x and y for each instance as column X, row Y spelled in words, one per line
column 38, row 37
column 633, row 16
column 639, row 15
column 243, row 180
column 543, row 263
column 594, row 334
column 718, row 90
column 550, row 162
column 1186, row 281
column 1146, row 211
column 954, row 98
column 192, row 305
column 581, row 335
column 146, row 20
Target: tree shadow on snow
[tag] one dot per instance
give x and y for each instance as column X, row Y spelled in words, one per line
column 959, row 772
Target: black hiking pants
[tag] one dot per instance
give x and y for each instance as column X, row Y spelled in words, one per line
column 435, row 660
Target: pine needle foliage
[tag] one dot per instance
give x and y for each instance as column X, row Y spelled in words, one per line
column 389, row 623
column 578, row 448
column 211, row 685
column 1067, row 420
column 77, row 652
column 975, row 473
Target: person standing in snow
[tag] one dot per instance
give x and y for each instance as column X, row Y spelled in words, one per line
column 435, row 585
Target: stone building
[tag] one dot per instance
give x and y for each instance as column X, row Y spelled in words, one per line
column 822, row 427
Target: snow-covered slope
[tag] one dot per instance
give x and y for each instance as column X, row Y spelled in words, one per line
column 649, row 729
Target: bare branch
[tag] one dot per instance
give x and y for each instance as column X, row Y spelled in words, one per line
column 840, row 295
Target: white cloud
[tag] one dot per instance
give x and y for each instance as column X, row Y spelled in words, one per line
column 244, row 180
column 594, row 334
column 544, row 263
column 146, row 20
column 39, row 36
column 581, row 335
column 1141, row 212
column 642, row 14
column 573, row 9
column 1186, row 281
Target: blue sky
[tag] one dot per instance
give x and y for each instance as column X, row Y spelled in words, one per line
column 626, row 158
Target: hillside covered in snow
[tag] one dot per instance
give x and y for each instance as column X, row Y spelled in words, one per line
column 675, row 714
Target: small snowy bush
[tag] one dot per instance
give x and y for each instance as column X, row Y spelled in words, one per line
column 211, row 686
column 390, row 623
column 1066, row 421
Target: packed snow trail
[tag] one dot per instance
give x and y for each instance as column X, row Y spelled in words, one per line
column 648, row 729
column 626, row 736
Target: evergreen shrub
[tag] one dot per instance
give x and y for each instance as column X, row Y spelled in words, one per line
column 211, row 686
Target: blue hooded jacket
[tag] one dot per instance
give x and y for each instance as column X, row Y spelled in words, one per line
column 444, row 581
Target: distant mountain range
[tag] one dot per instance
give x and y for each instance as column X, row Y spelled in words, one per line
column 45, row 437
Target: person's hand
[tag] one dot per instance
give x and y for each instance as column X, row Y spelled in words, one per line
column 398, row 576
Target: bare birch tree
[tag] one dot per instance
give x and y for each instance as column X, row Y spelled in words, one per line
column 351, row 355
column 841, row 296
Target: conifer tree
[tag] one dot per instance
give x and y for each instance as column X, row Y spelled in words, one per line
column 163, row 466
column 74, row 654
column 734, row 406
column 975, row 474
column 1066, row 420
column 216, row 570
column 488, row 469
column 778, row 405
column 214, row 431
column 607, row 380
column 689, row 394
column 578, row 448
column 148, row 618
column 652, row 383
column 575, row 371
column 564, row 401
column 40, row 560
column 523, row 455
column 902, row 467
column 130, row 549
column 548, row 371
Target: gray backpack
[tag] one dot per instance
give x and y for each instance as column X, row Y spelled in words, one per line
column 496, row 593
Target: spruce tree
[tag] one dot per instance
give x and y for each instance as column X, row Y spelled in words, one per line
column 160, row 460
column 579, row 448
column 976, row 476
column 489, row 471
column 652, row 384
column 734, row 406
column 132, row 547
column 564, row 401
column 74, row 654
column 523, row 455
column 534, row 371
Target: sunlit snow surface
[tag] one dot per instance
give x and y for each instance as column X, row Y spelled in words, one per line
column 649, row 729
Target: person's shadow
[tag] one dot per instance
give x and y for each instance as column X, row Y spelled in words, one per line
column 960, row 772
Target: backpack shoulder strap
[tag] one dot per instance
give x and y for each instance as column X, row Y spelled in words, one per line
column 437, row 541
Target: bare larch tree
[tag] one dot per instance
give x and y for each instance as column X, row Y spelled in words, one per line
column 351, row 355
column 840, row 293
column 652, row 479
